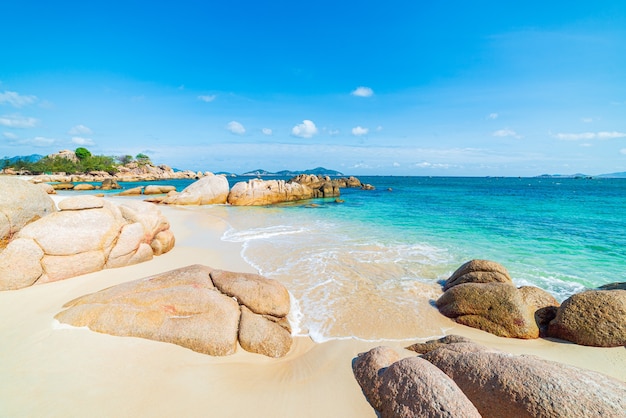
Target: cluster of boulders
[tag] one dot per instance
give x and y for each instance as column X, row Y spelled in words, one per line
column 455, row 377
column 213, row 189
column 197, row 307
column 131, row 172
column 40, row 244
column 481, row 294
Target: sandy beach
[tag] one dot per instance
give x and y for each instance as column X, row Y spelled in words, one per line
column 49, row 370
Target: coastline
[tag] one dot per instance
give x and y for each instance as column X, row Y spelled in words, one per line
column 55, row 371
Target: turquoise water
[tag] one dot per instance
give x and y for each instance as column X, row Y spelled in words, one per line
column 393, row 245
column 370, row 267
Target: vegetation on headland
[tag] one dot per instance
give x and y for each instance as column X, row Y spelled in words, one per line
column 79, row 161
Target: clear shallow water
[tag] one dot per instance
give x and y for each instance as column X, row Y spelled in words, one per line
column 374, row 261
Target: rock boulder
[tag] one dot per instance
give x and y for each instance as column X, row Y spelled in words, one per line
column 209, row 190
column 182, row 307
column 258, row 192
column 594, row 318
column 478, row 271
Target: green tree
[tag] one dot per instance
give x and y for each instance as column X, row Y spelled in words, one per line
column 82, row 153
column 143, row 159
column 125, row 159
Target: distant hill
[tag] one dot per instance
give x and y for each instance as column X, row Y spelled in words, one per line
column 33, row 158
column 621, row 175
column 319, row 171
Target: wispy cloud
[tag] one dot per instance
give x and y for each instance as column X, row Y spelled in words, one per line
column 426, row 164
column 362, row 91
column 15, row 99
column 266, row 131
column 82, row 141
column 622, row 151
column 80, row 130
column 359, row 131
column 306, row 129
column 207, row 98
column 493, row 116
column 587, row 120
column 38, row 141
column 236, row 128
column 506, row 132
column 17, row 121
column 589, row 135
column 9, row 135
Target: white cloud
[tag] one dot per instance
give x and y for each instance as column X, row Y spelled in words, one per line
column 236, row 128
column 208, row 98
column 587, row 120
column 379, row 128
column 304, row 130
column 426, row 164
column 82, row 141
column 359, row 131
column 493, row 116
column 622, row 151
column 80, row 130
column 17, row 121
column 396, row 164
column 333, row 132
column 15, row 99
column 362, row 92
column 590, row 135
column 9, row 135
column 39, row 141
column 503, row 133
column 266, row 131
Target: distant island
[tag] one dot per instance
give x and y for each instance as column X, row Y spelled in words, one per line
column 620, row 175
column 318, row 171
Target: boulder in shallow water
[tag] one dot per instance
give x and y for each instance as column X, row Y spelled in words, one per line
column 498, row 308
column 209, row 190
column 478, row 271
column 596, row 318
column 258, row 192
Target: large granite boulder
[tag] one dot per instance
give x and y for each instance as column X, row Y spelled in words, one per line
column 498, row 308
column 20, row 203
column 87, row 234
column 595, row 318
column 478, row 271
column 263, row 296
column 258, row 192
column 209, row 190
column 182, row 307
column 506, row 385
column 411, row 387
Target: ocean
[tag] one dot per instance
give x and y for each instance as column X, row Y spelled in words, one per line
column 366, row 267
column 371, row 266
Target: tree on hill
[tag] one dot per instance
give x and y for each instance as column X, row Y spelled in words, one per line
column 143, row 159
column 82, row 153
column 125, row 159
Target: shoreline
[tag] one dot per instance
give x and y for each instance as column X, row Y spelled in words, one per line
column 57, row 371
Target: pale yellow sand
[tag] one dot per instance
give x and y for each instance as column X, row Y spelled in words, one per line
column 47, row 370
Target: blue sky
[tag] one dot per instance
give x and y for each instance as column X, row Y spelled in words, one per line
column 369, row 87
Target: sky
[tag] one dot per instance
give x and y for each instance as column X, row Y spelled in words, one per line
column 423, row 88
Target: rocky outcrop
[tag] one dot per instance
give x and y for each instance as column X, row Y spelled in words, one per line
column 478, row 271
column 87, row 234
column 258, row 192
column 20, row 204
column 411, row 387
column 322, row 186
column 209, row 190
column 498, row 308
column 186, row 307
column 481, row 294
column 158, row 189
column 501, row 384
column 594, row 318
